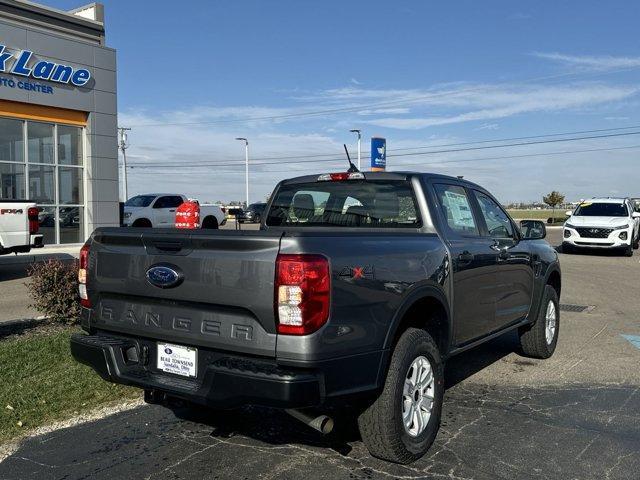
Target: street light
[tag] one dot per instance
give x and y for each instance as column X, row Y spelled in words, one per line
column 123, row 145
column 246, row 165
column 355, row 130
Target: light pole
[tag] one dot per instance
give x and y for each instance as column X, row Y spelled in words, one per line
column 123, row 145
column 355, row 130
column 246, row 166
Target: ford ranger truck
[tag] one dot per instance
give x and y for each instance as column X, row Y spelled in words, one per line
column 19, row 227
column 356, row 290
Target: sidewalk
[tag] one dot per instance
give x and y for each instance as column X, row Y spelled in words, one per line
column 41, row 254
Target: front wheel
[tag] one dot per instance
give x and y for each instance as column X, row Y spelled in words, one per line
column 628, row 251
column 540, row 339
column 402, row 423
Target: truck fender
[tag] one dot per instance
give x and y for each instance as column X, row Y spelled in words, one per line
column 419, row 293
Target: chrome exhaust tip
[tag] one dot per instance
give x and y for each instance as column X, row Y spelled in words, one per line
column 321, row 423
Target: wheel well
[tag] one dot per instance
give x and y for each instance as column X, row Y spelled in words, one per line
column 555, row 282
column 209, row 222
column 429, row 314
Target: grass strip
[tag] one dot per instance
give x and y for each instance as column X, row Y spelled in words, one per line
column 40, row 383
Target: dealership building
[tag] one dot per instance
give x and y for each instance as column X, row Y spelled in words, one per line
column 58, row 122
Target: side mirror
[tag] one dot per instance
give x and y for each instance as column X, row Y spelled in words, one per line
column 533, row 229
column 568, row 213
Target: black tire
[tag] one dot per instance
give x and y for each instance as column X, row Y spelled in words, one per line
column 381, row 425
column 210, row 223
column 532, row 337
column 142, row 223
column 257, row 219
column 636, row 243
column 567, row 248
column 628, row 251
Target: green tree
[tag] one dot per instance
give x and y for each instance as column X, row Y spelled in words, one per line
column 553, row 199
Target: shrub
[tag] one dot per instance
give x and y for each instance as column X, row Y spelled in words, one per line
column 53, row 287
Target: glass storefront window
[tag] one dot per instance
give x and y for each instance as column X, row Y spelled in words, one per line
column 11, row 140
column 69, row 145
column 41, row 184
column 41, row 144
column 12, row 186
column 70, row 185
column 52, row 174
column 71, row 221
column 47, row 221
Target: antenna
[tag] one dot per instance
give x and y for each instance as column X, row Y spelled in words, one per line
column 352, row 167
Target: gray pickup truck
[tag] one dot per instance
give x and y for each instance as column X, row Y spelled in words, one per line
column 356, row 290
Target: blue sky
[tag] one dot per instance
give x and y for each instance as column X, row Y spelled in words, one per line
column 194, row 75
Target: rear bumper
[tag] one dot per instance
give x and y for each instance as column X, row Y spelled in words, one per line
column 37, row 241
column 223, row 380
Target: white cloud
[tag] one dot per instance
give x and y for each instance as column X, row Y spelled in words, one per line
column 591, row 62
column 488, row 126
column 489, row 102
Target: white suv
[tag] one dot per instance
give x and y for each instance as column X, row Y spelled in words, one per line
column 603, row 223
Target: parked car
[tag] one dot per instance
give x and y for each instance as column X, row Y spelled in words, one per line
column 253, row 214
column 609, row 223
column 357, row 289
column 158, row 210
column 19, row 227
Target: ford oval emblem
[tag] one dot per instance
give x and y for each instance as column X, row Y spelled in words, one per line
column 164, row 276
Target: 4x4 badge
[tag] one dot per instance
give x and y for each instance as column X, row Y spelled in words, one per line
column 355, row 272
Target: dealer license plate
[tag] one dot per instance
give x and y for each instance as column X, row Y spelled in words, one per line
column 178, row 359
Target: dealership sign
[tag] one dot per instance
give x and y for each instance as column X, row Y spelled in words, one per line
column 20, row 64
column 378, row 154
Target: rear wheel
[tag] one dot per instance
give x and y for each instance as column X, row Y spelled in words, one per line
column 403, row 421
column 210, row 223
column 540, row 339
column 142, row 223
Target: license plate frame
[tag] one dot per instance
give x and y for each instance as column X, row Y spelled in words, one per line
column 178, row 360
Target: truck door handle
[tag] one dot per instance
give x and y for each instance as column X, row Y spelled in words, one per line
column 173, row 210
column 465, row 257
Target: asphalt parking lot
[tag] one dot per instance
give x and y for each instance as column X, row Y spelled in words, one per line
column 574, row 416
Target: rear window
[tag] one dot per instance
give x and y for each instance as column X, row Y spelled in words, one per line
column 351, row 203
column 140, row 201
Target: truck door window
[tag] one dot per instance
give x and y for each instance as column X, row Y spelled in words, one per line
column 456, row 209
column 498, row 223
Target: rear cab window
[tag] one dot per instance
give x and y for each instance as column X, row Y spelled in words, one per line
column 455, row 208
column 349, row 203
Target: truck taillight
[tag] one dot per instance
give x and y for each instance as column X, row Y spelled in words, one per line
column 303, row 286
column 32, row 215
column 82, row 276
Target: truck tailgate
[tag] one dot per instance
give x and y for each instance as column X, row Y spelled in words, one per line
column 224, row 300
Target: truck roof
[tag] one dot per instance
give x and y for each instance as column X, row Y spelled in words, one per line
column 396, row 175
